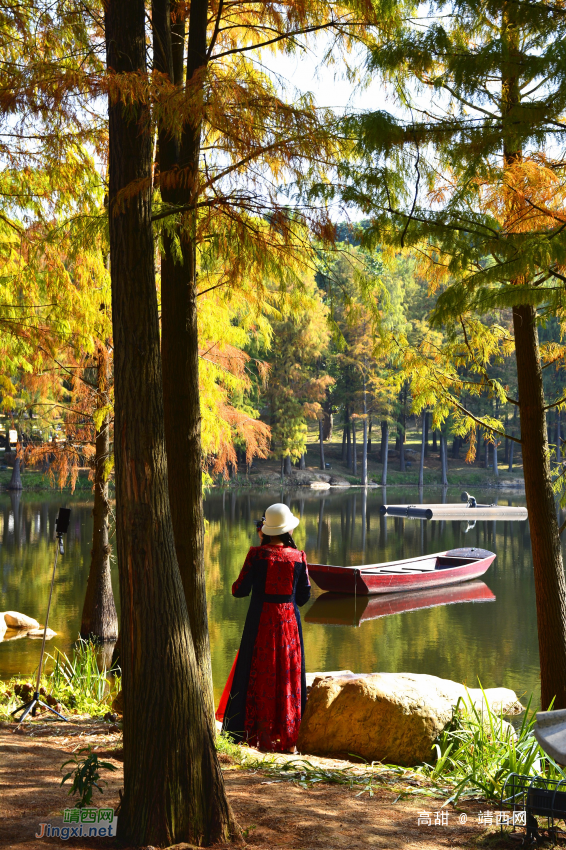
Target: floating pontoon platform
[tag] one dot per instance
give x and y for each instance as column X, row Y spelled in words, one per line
column 468, row 509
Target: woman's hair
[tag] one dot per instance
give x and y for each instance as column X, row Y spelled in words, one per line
column 286, row 539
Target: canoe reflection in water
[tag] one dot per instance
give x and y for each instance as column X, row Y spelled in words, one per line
column 346, row 610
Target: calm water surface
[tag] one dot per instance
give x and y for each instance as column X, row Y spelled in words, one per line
column 495, row 641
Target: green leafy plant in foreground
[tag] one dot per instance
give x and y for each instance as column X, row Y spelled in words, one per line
column 86, row 776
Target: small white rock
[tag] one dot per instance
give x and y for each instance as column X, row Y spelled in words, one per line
column 38, row 633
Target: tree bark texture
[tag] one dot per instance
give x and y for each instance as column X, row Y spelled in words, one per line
column 179, row 340
column 558, row 437
column 16, row 479
column 302, row 461
column 173, row 786
column 99, row 619
column 384, row 452
column 550, row 586
column 287, row 465
column 321, row 443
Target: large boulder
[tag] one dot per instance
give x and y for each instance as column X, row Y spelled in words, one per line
column 389, row 717
column 15, row 620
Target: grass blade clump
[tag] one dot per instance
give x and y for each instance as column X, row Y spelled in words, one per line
column 479, row 750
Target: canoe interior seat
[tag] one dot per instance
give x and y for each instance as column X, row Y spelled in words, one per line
column 445, row 563
column 401, row 570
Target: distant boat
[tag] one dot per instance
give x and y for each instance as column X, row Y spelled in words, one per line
column 438, row 570
column 335, row 609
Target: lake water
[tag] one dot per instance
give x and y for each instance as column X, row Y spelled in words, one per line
column 493, row 641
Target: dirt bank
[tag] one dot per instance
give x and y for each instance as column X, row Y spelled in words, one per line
column 272, row 813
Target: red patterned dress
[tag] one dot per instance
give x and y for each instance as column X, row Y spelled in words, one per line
column 268, row 692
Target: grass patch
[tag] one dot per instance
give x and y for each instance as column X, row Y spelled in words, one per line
column 79, row 684
column 478, row 752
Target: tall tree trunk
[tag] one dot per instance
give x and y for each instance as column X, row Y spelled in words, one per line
column 348, row 446
column 423, row 450
column 321, row 443
column 287, row 465
column 343, row 456
column 384, row 452
column 550, row 586
column 370, row 427
column 365, row 455
column 444, row 459
column 354, row 451
column 402, row 452
column 16, row 479
column 173, row 786
column 486, row 456
column 99, row 618
column 302, row 461
column 328, row 420
column 179, row 330
column 558, row 441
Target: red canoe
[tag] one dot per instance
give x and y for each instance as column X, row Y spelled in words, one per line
column 437, row 570
column 336, row 609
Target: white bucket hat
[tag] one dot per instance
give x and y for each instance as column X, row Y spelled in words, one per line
column 279, row 520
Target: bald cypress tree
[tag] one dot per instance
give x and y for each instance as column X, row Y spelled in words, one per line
column 173, row 786
column 474, row 177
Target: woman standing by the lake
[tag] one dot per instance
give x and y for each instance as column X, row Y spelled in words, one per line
column 268, row 691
